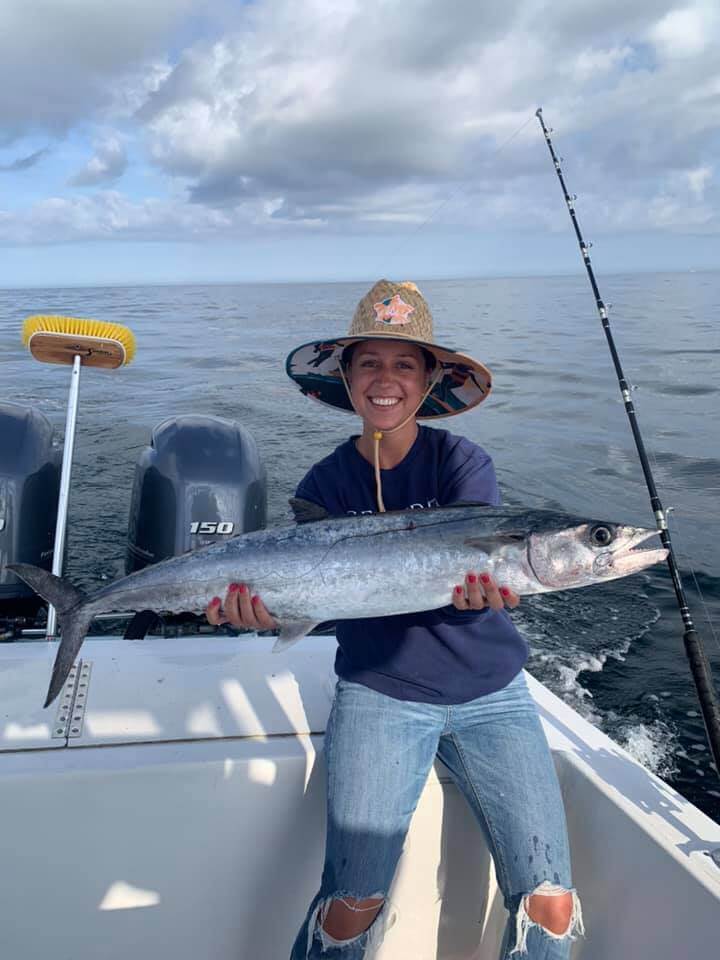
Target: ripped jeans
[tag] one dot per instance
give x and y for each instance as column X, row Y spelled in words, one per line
column 379, row 752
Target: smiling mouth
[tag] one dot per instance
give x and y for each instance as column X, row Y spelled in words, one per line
column 384, row 401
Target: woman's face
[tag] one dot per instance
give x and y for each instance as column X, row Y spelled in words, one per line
column 387, row 379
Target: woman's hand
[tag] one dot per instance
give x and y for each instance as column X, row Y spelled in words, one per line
column 242, row 610
column 480, row 591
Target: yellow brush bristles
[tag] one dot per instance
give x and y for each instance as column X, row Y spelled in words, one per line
column 75, row 326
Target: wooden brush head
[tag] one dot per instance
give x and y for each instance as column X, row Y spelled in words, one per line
column 52, row 339
column 63, row 347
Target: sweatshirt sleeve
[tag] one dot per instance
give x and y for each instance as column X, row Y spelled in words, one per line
column 469, row 476
column 309, row 489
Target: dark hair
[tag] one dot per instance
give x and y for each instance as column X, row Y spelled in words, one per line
column 347, row 355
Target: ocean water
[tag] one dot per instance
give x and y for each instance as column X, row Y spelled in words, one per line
column 555, row 426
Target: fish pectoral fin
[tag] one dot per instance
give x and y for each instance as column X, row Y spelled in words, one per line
column 488, row 544
column 291, row 631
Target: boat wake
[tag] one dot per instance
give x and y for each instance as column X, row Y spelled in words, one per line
column 577, row 634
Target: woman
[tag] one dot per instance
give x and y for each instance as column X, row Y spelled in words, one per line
column 446, row 683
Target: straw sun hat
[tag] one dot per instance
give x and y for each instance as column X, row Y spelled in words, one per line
column 391, row 311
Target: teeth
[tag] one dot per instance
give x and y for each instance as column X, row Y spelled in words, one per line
column 384, row 401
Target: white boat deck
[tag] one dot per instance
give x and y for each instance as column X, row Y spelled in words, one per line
column 183, row 816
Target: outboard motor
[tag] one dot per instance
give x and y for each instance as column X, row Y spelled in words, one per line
column 199, row 481
column 29, row 490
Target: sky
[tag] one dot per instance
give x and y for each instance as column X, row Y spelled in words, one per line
column 220, row 141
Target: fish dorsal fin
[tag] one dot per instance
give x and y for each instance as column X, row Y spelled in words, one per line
column 305, row 511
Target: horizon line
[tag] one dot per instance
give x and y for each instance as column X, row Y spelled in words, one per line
column 579, row 271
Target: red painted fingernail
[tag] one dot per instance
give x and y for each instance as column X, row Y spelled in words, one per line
column 215, row 601
column 234, row 587
column 504, row 591
column 256, row 599
column 458, row 590
column 472, row 578
column 242, row 588
column 485, row 578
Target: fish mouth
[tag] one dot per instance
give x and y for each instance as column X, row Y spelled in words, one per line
column 626, row 557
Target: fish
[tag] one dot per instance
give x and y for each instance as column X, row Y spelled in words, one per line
column 324, row 568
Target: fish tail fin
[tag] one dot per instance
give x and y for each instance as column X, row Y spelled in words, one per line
column 73, row 617
column 60, row 593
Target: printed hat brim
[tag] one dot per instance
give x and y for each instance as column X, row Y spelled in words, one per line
column 315, row 367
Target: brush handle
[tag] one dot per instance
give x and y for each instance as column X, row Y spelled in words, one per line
column 68, row 447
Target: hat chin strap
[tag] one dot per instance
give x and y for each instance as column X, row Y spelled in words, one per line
column 379, row 434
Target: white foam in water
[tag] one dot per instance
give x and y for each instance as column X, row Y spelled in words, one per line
column 560, row 667
column 578, row 632
column 654, row 745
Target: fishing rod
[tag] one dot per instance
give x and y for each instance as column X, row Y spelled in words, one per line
column 699, row 666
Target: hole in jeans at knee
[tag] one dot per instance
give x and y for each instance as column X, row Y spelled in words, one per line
column 347, row 918
column 525, row 922
column 353, row 920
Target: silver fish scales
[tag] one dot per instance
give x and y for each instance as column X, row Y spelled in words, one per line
column 363, row 566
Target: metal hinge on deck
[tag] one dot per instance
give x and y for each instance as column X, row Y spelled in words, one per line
column 73, row 697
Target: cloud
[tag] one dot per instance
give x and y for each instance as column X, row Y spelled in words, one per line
column 687, row 31
column 698, row 179
column 323, row 115
column 107, row 165
column 61, row 61
column 24, row 163
column 376, row 115
column 108, row 215
column 678, row 203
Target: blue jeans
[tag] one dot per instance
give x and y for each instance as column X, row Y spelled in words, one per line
column 379, row 752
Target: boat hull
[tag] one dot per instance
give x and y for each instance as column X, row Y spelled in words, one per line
column 185, row 818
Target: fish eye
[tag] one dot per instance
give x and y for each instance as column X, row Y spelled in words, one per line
column 600, row 535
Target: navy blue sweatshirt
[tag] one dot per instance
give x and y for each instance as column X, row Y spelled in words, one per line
column 438, row 656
